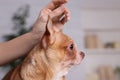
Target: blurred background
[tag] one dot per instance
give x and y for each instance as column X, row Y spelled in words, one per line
column 94, row 25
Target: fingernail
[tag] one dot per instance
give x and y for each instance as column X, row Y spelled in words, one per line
column 66, row 0
column 68, row 18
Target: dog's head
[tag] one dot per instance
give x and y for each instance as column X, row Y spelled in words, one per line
column 60, row 50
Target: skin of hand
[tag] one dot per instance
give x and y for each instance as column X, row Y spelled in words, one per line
column 55, row 10
column 20, row 46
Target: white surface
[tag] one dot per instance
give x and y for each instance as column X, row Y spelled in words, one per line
column 103, row 18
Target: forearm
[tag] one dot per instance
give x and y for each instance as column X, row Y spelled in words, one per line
column 17, row 47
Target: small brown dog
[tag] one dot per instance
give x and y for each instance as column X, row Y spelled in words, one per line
column 49, row 60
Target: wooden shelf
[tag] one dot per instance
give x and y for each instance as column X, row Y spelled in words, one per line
column 103, row 51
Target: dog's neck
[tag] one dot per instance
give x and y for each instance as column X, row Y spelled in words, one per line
column 54, row 71
column 40, row 67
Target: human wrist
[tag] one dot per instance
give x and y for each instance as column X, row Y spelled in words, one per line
column 36, row 35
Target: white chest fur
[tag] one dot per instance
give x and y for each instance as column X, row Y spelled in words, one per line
column 59, row 75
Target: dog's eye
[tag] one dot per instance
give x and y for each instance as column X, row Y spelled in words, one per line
column 71, row 47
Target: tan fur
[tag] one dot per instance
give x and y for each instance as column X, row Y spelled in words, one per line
column 49, row 60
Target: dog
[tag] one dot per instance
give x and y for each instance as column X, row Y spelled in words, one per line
column 50, row 59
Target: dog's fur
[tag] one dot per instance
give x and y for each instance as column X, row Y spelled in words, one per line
column 48, row 60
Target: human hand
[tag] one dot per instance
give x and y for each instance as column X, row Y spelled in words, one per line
column 58, row 13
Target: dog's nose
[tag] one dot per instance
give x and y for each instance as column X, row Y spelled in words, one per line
column 82, row 54
column 79, row 57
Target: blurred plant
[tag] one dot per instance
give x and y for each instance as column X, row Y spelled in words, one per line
column 117, row 70
column 19, row 22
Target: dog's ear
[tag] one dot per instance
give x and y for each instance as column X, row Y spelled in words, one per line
column 49, row 36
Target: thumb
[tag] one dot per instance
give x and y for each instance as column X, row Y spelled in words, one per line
column 58, row 13
column 40, row 24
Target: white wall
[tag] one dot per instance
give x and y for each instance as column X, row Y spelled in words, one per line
column 100, row 18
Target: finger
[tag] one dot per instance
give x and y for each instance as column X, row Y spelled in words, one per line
column 55, row 3
column 50, row 6
column 65, row 16
column 43, row 16
column 64, row 20
column 59, row 2
column 60, row 14
column 60, row 24
column 57, row 13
